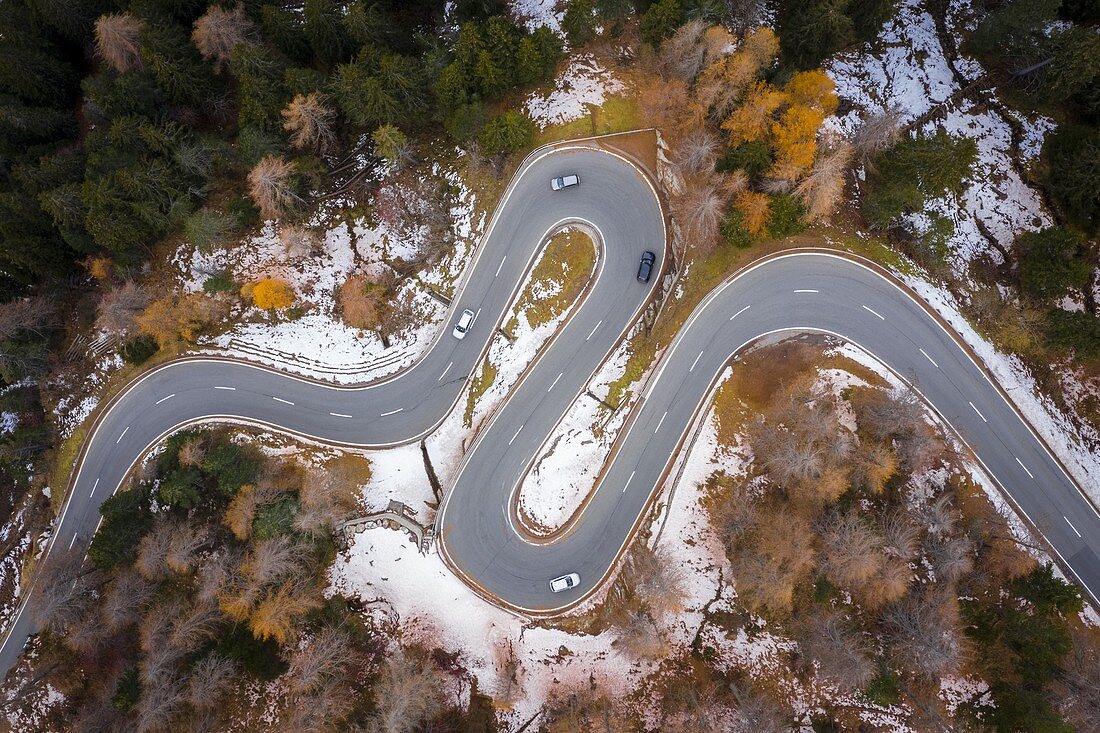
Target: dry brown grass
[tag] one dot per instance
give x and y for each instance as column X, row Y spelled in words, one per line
column 564, row 269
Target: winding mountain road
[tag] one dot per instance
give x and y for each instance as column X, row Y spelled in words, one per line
column 796, row 292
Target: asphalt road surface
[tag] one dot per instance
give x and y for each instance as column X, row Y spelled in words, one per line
column 798, row 292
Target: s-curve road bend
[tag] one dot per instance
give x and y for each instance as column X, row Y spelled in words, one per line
column 801, row 291
column 614, row 199
column 804, row 291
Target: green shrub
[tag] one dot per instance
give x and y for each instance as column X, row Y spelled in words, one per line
column 220, row 282
column 258, row 659
column 734, row 232
column 507, row 133
column 916, row 169
column 230, row 467
column 1049, row 262
column 884, row 688
column 466, row 122
column 127, row 690
column 272, row 520
column 755, row 158
column 126, row 518
column 579, row 22
column 1075, row 330
column 1073, row 156
column 138, row 349
column 811, row 30
column 207, row 229
column 182, row 488
column 786, row 217
column 660, row 21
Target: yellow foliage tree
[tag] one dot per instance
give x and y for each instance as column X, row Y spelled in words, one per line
column 752, row 119
column 271, row 293
column 176, row 318
column 753, row 206
column 274, row 617
column 813, row 89
column 794, row 137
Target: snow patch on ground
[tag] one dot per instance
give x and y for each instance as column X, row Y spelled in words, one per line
column 535, row 13
column 906, row 70
column 318, row 343
column 584, row 83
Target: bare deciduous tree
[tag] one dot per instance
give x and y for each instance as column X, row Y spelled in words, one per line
column 851, row 549
column 925, row 635
column 124, row 599
column 584, row 709
column 271, row 185
column 152, row 551
column 197, row 625
column 683, row 52
column 509, row 687
column 697, row 151
column 772, row 560
column 210, row 677
column 119, row 307
column 758, row 713
column 218, row 31
column 878, row 132
column 1075, row 690
column 159, row 704
column 322, row 657
column 184, row 542
column 655, row 579
column 116, row 41
column 192, row 452
column 407, row 692
column 309, row 122
column 951, row 557
column 323, row 710
column 638, row 635
column 702, row 204
column 823, row 186
column 298, row 241
column 65, row 592
column 940, row 516
column 900, row 536
column 34, row 314
column 273, row 559
column 841, row 652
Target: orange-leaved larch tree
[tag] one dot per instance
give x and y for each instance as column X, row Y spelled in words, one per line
column 271, row 293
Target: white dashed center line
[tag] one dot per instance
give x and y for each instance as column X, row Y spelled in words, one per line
column 280, row 399
column 72, row 541
column 516, row 435
column 339, row 414
column 162, row 399
column 1071, row 525
column 979, row 413
column 694, row 363
column 628, row 481
column 444, row 372
column 879, row 316
column 929, row 358
column 123, row 434
column 659, row 422
column 93, row 488
column 231, row 389
column 594, row 329
column 806, row 291
column 555, row 381
column 740, row 312
column 392, row 412
column 1024, row 467
column 501, row 265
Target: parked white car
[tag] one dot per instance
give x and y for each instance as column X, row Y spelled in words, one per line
column 565, row 582
column 464, row 323
column 564, row 182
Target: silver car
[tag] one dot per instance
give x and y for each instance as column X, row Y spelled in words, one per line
column 464, row 323
column 564, row 182
column 565, row 582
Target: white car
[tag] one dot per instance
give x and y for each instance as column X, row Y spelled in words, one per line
column 564, row 182
column 464, row 323
column 565, row 582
